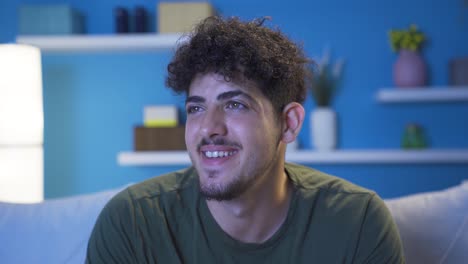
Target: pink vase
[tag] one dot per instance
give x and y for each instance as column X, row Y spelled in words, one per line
column 409, row 69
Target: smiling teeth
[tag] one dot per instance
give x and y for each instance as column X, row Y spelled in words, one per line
column 218, row 154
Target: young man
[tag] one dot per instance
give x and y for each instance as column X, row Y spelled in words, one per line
column 240, row 202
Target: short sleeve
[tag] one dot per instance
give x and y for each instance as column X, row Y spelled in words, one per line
column 112, row 237
column 379, row 240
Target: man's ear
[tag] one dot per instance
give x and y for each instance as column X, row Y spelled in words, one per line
column 293, row 117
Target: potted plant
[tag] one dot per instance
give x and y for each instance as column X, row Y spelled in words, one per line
column 323, row 88
column 409, row 69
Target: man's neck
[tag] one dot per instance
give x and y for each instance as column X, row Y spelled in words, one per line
column 258, row 213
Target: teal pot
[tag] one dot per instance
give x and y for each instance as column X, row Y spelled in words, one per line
column 409, row 69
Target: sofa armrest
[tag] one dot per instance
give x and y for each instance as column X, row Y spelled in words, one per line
column 54, row 231
column 433, row 226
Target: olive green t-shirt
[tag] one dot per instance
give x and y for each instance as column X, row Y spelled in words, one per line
column 166, row 220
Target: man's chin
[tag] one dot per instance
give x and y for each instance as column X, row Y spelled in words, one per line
column 212, row 188
column 217, row 193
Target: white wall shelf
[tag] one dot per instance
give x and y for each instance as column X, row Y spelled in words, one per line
column 103, row 43
column 168, row 158
column 423, row 94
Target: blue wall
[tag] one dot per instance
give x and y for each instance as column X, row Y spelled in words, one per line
column 92, row 101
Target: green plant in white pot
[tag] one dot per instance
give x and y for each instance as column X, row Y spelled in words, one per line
column 323, row 88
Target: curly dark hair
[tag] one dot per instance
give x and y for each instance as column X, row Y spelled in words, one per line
column 238, row 49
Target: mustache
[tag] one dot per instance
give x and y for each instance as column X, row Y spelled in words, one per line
column 219, row 142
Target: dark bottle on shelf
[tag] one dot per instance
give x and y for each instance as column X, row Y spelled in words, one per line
column 121, row 20
column 141, row 19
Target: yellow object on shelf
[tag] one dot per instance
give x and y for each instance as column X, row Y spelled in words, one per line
column 160, row 116
column 181, row 16
column 160, row 123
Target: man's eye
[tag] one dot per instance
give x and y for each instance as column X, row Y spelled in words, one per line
column 193, row 109
column 235, row 105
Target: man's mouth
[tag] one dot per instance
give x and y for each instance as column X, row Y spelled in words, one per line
column 219, row 149
column 218, row 154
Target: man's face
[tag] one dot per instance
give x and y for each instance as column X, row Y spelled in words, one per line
column 232, row 135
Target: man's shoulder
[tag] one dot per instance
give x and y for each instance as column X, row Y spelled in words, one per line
column 308, row 178
column 160, row 186
column 344, row 210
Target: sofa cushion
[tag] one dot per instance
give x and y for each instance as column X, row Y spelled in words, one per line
column 54, row 231
column 433, row 226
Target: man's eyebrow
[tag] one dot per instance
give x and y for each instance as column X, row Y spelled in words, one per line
column 231, row 94
column 220, row 97
column 194, row 99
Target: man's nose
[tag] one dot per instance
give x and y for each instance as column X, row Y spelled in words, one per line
column 213, row 123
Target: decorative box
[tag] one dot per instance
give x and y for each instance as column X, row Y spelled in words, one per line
column 459, row 71
column 159, row 138
column 49, row 20
column 181, row 16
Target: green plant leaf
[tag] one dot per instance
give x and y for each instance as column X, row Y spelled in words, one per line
column 410, row 39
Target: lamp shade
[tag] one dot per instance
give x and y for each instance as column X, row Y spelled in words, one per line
column 21, row 110
column 21, row 124
column 21, row 175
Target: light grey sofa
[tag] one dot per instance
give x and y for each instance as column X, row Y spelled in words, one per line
column 433, row 227
column 54, row 231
